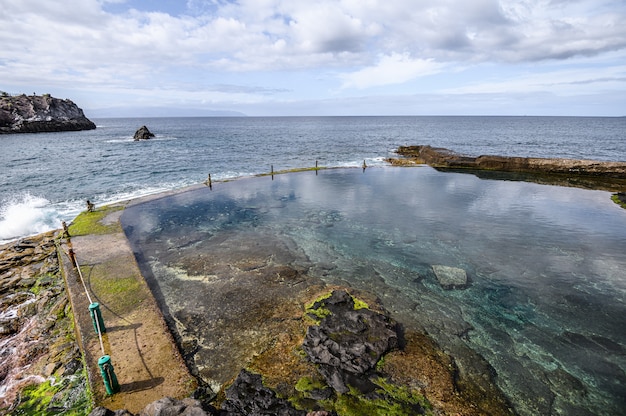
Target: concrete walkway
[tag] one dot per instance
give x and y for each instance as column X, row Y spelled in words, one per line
column 143, row 353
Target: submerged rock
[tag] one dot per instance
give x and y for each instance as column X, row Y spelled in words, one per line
column 450, row 277
column 142, row 134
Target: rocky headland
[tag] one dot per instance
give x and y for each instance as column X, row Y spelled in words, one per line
column 590, row 174
column 40, row 113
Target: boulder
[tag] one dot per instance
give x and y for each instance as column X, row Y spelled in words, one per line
column 348, row 342
column 450, row 277
column 247, row 396
column 142, row 134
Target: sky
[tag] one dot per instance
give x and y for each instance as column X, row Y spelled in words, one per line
column 139, row 58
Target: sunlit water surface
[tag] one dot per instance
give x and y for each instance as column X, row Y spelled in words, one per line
column 547, row 265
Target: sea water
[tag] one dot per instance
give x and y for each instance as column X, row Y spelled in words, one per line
column 546, row 300
column 46, row 178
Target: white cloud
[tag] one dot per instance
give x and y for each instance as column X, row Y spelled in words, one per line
column 570, row 81
column 136, row 45
column 390, row 69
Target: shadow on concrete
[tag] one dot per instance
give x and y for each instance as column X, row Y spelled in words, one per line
column 141, row 385
column 123, row 327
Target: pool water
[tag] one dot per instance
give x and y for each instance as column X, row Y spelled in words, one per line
column 545, row 303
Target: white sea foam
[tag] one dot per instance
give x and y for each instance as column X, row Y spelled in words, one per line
column 26, row 215
column 122, row 139
column 127, row 139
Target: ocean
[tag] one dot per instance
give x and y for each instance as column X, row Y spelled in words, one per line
column 46, row 178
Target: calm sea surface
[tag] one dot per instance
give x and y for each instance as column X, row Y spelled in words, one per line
column 546, row 304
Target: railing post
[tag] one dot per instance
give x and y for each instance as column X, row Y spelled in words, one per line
column 96, row 318
column 108, row 375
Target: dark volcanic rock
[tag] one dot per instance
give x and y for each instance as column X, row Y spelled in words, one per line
column 348, row 342
column 165, row 406
column 143, row 134
column 35, row 114
column 444, row 158
column 248, row 397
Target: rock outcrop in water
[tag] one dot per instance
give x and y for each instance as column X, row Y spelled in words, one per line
column 589, row 174
column 143, row 134
column 36, row 114
column 440, row 157
column 348, row 342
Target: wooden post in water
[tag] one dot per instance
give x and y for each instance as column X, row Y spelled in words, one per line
column 272, row 171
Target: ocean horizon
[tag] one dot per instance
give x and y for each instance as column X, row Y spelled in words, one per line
column 46, row 178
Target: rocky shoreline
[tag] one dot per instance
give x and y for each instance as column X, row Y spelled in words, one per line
column 589, row 174
column 41, row 370
column 40, row 114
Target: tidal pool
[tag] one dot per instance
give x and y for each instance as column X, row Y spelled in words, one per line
column 545, row 302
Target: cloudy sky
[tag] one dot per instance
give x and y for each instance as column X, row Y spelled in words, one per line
column 322, row 57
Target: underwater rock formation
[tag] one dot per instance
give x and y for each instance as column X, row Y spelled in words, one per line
column 450, row 277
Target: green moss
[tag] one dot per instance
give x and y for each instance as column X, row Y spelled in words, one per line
column 615, row 198
column 123, row 293
column 312, row 312
column 42, row 282
column 68, row 397
column 306, row 384
column 317, row 313
column 391, row 400
column 359, row 304
column 91, row 222
column 403, row 394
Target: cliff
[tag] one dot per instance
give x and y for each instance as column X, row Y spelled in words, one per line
column 35, row 114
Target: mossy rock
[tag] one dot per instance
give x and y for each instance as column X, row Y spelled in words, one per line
column 620, row 199
column 91, row 222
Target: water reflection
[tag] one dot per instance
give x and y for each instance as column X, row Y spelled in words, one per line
column 546, row 301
